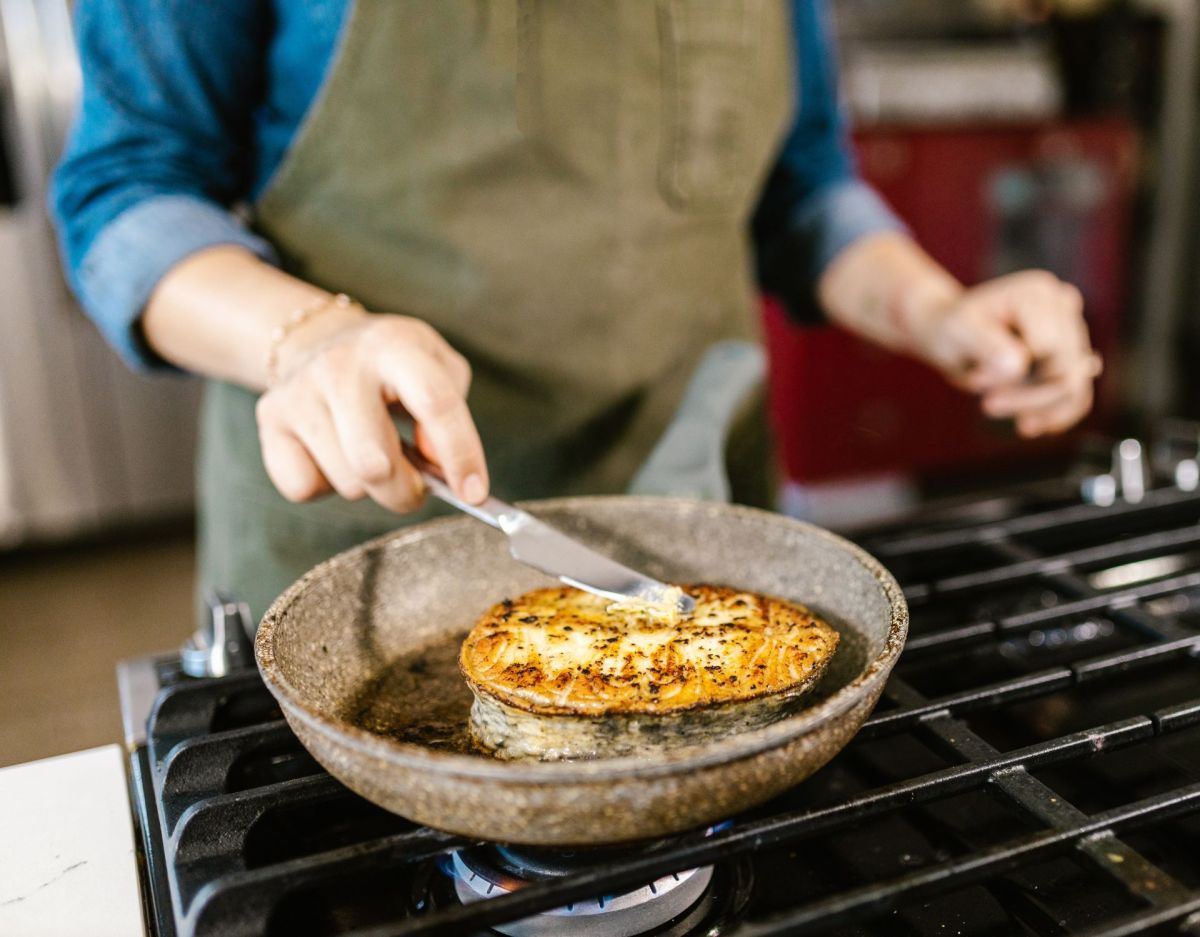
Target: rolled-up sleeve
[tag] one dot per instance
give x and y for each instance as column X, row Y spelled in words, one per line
column 814, row 204
column 160, row 151
column 131, row 253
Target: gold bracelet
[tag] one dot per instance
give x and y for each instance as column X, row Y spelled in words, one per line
column 297, row 318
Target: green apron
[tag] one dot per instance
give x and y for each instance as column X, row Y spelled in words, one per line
column 562, row 188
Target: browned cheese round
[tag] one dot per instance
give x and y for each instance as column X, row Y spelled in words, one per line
column 562, row 651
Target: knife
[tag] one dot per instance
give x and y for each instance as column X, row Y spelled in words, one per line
column 537, row 544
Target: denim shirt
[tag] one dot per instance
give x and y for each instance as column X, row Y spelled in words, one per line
column 188, row 109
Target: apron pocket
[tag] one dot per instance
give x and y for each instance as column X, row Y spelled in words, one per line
column 708, row 65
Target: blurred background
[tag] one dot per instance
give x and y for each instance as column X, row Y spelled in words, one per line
column 1007, row 133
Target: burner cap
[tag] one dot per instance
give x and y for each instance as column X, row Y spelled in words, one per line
column 478, row 874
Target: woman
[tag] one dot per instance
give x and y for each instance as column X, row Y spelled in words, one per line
column 542, row 211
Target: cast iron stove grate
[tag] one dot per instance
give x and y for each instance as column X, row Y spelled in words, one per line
column 1033, row 768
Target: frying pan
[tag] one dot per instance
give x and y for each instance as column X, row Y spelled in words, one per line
column 361, row 654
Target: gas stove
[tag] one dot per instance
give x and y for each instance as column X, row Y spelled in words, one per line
column 1032, row 768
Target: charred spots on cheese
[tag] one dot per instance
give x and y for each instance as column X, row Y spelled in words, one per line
column 524, row 675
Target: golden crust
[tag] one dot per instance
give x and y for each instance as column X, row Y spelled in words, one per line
column 562, row 651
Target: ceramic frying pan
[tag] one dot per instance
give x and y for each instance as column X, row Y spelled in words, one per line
column 362, row 655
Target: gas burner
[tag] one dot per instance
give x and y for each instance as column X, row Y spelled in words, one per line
column 489, row 871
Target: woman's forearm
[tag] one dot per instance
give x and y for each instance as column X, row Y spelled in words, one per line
column 218, row 314
column 886, row 288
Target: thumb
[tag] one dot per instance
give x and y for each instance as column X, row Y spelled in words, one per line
column 977, row 352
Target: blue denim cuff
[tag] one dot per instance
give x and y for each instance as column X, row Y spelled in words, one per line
column 136, row 249
column 835, row 217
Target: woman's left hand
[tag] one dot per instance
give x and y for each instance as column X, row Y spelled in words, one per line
column 1020, row 342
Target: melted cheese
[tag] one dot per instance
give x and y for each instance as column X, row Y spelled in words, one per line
column 565, row 652
column 666, row 609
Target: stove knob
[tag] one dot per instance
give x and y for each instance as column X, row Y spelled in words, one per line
column 223, row 645
column 1177, row 453
column 1131, row 469
column 1187, row 475
column 1127, row 480
column 1100, row 490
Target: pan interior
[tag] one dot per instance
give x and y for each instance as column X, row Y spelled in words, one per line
column 371, row 640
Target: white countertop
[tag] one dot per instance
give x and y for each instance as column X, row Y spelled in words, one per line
column 67, row 860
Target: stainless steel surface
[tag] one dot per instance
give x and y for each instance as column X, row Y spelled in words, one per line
column 626, row 915
column 362, row 655
column 550, row 551
column 222, row 644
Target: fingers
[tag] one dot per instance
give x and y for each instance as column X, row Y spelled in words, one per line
column 1048, row 315
column 316, row 433
column 435, row 399
column 1058, row 417
column 289, row 465
column 457, row 367
column 1052, row 406
column 1021, row 341
column 366, row 434
column 302, row 456
column 328, row 427
column 976, row 350
column 1008, row 324
column 1049, row 388
column 1011, row 400
column 991, row 354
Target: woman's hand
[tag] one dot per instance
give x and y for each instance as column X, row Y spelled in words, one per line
column 326, row 424
column 331, row 381
column 1019, row 341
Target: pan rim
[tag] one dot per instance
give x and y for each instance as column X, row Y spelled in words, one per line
column 743, row 745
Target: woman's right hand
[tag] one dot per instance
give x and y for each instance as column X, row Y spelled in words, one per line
column 326, row 424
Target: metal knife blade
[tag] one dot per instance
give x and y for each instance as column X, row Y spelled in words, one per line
column 537, row 544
